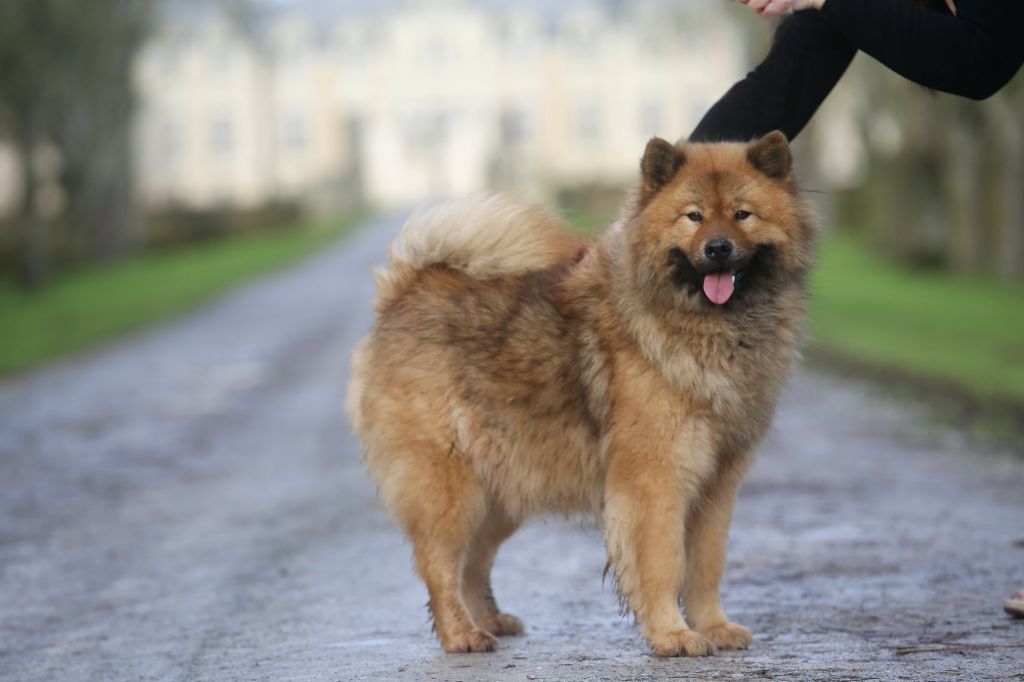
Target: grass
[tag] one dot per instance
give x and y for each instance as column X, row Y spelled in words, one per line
column 968, row 332
column 82, row 308
column 586, row 220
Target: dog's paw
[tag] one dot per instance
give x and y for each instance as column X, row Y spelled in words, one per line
column 503, row 624
column 470, row 641
column 682, row 642
column 728, row 636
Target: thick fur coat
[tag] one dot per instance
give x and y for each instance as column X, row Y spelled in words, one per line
column 515, row 370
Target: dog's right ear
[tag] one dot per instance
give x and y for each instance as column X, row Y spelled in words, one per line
column 661, row 161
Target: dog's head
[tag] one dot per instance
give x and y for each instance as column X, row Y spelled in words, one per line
column 718, row 225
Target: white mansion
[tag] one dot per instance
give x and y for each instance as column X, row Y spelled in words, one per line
column 398, row 102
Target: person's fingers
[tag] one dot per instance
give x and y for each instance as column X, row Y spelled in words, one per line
column 758, row 5
column 776, row 7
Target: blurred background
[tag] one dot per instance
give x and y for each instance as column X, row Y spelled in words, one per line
column 154, row 152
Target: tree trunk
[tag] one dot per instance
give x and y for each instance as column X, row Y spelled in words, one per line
column 108, row 212
column 1010, row 133
column 962, row 169
column 1011, row 236
column 33, row 232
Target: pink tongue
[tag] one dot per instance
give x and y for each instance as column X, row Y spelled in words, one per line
column 718, row 287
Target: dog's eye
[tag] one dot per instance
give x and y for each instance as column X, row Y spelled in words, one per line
column 742, row 215
column 695, row 216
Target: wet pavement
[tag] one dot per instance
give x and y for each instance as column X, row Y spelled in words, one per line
column 188, row 504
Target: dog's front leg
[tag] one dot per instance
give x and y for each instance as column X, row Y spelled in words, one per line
column 707, row 528
column 648, row 492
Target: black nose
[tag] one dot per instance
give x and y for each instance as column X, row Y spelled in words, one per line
column 718, row 249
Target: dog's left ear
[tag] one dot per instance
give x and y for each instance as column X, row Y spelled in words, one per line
column 770, row 155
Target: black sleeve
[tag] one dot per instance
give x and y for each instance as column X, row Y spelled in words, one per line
column 807, row 58
column 973, row 54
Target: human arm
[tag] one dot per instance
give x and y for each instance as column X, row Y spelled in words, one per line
column 972, row 54
column 807, row 58
column 778, row 7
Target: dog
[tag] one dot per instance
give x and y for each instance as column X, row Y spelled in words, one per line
column 515, row 369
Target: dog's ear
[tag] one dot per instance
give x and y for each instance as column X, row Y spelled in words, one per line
column 770, row 155
column 661, row 161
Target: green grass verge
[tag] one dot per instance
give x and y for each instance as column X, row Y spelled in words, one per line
column 587, row 221
column 968, row 332
column 85, row 307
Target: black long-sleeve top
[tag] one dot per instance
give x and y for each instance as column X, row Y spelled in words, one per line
column 972, row 54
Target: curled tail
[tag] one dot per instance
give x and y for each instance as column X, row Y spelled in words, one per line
column 483, row 237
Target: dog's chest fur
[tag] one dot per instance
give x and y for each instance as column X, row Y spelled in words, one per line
column 534, row 383
column 725, row 374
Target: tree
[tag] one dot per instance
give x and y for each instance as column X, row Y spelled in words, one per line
column 66, row 81
column 946, row 190
column 1004, row 113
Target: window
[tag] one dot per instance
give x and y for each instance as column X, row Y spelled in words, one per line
column 426, row 130
column 222, row 136
column 168, row 141
column 354, row 47
column 588, row 124
column 169, row 58
column 221, row 60
column 515, row 126
column 518, row 40
column 293, row 135
column 436, row 52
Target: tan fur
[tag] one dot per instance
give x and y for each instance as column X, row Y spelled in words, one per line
column 484, row 237
column 503, row 378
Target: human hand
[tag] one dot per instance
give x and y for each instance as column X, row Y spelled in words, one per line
column 777, row 7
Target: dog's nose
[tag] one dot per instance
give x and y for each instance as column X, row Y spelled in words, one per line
column 718, row 249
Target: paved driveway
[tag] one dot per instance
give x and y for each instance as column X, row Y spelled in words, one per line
column 189, row 505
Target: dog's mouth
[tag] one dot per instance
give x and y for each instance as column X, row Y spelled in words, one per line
column 719, row 285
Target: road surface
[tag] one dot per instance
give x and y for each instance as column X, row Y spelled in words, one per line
column 188, row 504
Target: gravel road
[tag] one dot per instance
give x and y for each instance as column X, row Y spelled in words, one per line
column 188, row 504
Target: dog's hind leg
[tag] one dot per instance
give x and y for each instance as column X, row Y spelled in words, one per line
column 476, row 581
column 445, row 508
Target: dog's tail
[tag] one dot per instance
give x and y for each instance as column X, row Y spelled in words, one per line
column 484, row 237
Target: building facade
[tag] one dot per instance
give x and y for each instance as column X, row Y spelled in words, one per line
column 401, row 102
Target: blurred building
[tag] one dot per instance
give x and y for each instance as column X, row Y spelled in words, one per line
column 397, row 102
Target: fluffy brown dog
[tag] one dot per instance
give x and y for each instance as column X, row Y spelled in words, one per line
column 507, row 376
